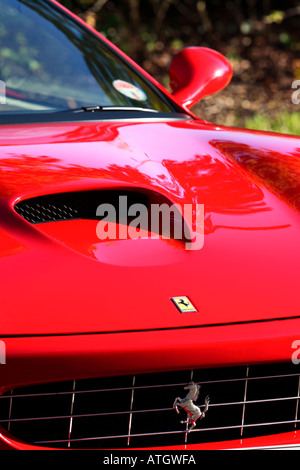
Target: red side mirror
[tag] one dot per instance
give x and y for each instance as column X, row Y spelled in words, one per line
column 196, row 72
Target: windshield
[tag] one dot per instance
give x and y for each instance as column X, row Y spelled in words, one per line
column 48, row 62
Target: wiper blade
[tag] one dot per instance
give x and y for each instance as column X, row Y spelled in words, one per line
column 96, row 108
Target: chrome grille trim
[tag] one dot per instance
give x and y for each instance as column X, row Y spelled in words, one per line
column 166, row 433
column 129, row 405
column 244, row 404
column 10, row 407
column 131, row 410
column 297, row 404
column 71, row 415
column 180, row 384
column 153, row 410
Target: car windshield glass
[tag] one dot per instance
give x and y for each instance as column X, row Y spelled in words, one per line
column 48, row 62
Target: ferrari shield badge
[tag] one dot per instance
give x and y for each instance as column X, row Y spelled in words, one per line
column 183, row 304
column 187, row 404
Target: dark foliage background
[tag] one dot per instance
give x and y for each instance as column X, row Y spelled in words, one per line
column 259, row 37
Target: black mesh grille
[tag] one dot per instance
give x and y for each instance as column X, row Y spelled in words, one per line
column 73, row 205
column 137, row 411
column 46, row 212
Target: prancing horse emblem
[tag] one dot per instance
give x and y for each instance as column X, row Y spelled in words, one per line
column 183, row 304
column 193, row 411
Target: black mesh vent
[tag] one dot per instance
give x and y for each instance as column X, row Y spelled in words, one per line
column 137, row 411
column 74, row 205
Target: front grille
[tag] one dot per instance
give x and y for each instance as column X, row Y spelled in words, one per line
column 137, row 411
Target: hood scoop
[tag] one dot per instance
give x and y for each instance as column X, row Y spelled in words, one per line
column 112, row 226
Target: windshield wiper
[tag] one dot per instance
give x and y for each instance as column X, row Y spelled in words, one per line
column 96, row 108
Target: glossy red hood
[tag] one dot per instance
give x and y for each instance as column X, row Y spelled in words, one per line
column 247, row 270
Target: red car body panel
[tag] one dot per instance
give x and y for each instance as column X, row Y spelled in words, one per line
column 76, row 306
column 251, row 229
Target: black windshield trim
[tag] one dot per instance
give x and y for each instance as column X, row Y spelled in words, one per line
column 64, row 117
column 103, row 109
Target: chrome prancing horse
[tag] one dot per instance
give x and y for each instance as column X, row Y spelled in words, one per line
column 193, row 411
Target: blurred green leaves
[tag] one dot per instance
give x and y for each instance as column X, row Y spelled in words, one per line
column 284, row 122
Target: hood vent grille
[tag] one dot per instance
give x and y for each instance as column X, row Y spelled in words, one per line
column 40, row 212
column 73, row 205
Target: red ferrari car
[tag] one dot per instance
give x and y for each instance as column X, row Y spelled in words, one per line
column 149, row 259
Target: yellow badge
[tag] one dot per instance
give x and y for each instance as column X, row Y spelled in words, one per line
column 183, row 304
